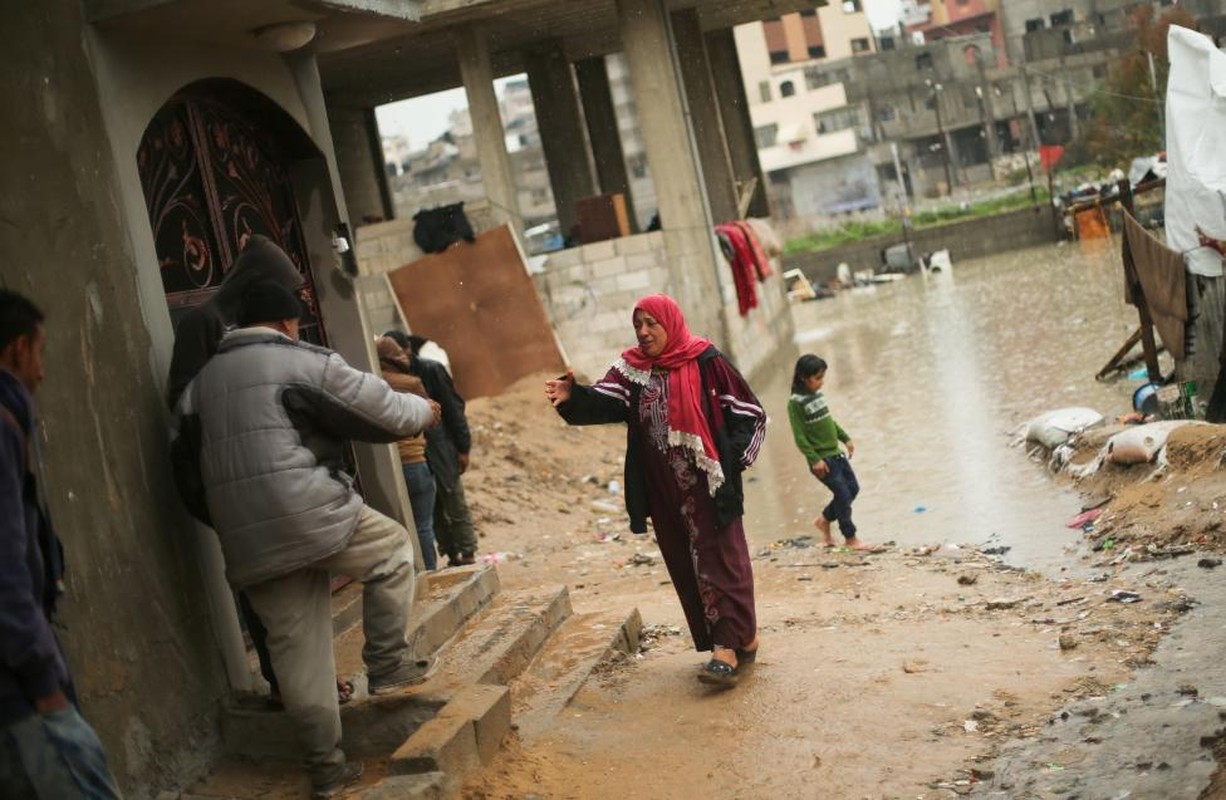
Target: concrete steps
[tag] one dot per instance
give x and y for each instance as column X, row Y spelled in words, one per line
column 494, row 650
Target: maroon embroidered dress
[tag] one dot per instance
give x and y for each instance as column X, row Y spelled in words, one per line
column 708, row 562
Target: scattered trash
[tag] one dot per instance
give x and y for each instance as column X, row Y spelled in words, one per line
column 615, row 488
column 606, row 506
column 999, row 550
column 968, row 579
column 496, row 558
column 796, row 542
column 970, row 726
column 920, row 509
column 642, row 559
column 1123, row 596
column 605, row 538
column 1067, row 641
column 1002, row 603
column 1209, row 563
column 913, row 667
column 1084, row 518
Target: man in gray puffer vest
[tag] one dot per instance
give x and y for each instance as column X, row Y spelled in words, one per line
column 257, row 455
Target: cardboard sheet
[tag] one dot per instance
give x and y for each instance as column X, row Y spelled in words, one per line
column 478, row 302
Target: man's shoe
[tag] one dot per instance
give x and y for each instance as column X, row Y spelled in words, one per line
column 409, row 673
column 349, row 774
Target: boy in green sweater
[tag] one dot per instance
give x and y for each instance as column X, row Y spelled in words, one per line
column 818, row 437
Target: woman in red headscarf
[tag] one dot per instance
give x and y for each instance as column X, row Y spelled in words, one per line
column 693, row 426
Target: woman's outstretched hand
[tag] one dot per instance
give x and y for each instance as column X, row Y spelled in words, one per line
column 558, row 391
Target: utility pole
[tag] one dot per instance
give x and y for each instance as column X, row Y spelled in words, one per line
column 987, row 111
column 935, row 94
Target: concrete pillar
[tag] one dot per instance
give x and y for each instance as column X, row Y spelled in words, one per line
column 362, row 177
column 603, row 131
column 734, row 113
column 473, row 53
column 559, row 118
column 703, row 105
column 685, row 218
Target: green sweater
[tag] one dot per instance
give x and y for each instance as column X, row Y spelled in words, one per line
column 815, row 431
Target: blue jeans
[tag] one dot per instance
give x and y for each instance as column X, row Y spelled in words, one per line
column 422, row 492
column 54, row 756
column 841, row 480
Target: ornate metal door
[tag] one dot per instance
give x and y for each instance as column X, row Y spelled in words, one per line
column 212, row 178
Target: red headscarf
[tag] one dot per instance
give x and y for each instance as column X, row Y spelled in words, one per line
column 687, row 419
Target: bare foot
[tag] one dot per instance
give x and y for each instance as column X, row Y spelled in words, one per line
column 724, row 654
column 855, row 544
column 823, row 525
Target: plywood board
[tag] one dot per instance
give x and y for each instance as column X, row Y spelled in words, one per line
column 478, row 302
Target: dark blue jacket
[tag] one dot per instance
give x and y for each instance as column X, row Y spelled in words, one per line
column 31, row 664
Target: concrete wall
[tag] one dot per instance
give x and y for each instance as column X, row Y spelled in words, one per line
column 973, row 238
column 136, row 626
column 589, row 292
column 821, row 187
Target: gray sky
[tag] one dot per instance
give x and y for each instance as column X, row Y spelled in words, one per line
column 424, row 119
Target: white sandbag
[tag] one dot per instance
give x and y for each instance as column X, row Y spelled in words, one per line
column 1056, row 427
column 1141, row 443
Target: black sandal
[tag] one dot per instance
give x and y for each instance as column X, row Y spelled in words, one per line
column 746, row 657
column 719, row 673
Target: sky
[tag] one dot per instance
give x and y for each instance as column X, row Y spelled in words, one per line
column 424, row 119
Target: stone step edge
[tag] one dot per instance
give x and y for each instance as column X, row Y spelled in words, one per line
column 624, row 637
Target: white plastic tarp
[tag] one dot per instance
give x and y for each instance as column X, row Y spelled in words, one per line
column 1195, row 148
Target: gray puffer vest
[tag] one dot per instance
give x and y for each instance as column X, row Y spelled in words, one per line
column 269, row 418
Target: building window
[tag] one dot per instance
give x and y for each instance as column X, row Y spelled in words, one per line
column 766, row 136
column 779, row 56
column 817, row 51
column 787, row 89
column 923, row 62
column 837, row 120
column 859, row 45
column 1062, row 18
column 885, row 113
column 886, row 43
column 851, row 6
column 1036, row 24
column 764, row 91
column 816, row 79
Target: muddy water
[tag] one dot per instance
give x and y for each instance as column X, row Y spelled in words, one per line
column 931, row 376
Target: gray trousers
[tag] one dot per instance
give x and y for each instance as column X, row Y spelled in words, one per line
column 296, row 609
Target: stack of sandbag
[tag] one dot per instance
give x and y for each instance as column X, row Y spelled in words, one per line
column 1056, row 427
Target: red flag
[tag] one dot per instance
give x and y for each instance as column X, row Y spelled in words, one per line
column 1049, row 155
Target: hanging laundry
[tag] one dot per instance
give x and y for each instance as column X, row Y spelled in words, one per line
column 761, row 263
column 739, row 252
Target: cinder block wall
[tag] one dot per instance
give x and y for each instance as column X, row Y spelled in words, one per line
column 589, row 292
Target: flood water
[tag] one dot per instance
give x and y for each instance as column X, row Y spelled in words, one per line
column 931, row 376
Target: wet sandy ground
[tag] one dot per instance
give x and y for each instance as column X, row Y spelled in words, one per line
column 894, row 675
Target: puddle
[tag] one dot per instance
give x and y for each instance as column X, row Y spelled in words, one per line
column 930, row 376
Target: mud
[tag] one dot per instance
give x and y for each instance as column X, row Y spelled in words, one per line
column 926, row 671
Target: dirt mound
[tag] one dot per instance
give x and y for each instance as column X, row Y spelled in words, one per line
column 1166, row 507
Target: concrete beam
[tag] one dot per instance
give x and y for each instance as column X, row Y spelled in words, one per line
column 603, row 130
column 703, row 106
column 361, row 177
column 559, row 118
column 473, row 53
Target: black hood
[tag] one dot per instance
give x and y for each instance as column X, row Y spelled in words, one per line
column 261, row 260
